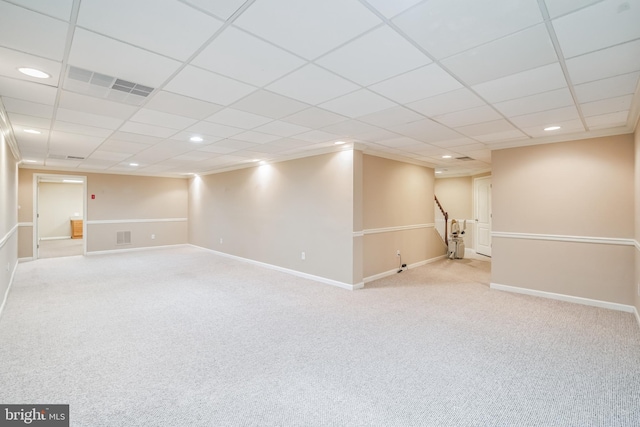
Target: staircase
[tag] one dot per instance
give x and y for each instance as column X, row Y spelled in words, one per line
column 442, row 221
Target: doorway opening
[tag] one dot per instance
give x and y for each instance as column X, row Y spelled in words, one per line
column 59, row 212
column 483, row 216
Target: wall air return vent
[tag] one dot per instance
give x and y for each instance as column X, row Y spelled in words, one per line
column 464, row 158
column 123, row 238
column 103, row 86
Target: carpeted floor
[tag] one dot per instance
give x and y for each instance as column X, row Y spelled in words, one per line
column 60, row 248
column 182, row 337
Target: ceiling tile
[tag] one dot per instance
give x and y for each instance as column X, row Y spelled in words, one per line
column 606, row 106
column 418, row 84
column 239, row 119
column 73, row 143
column 426, row 130
column 501, row 136
column 27, row 91
column 534, row 103
column 214, row 129
column 456, row 143
column 444, row 27
column 392, row 8
column 181, row 105
column 308, row 29
column 375, row 56
column 123, row 146
column 504, row 56
column 28, row 108
column 607, row 120
column 378, row 134
column 145, row 129
column 392, row 116
column 546, row 118
column 358, row 104
column 135, row 137
column 601, row 25
column 235, row 144
column 282, row 129
column 561, row 7
column 92, row 105
column 186, row 135
column 313, row 85
column 220, row 8
column 606, row 88
column 315, row 118
column 244, row 57
column 217, row 149
column 32, row 32
column 159, row 118
column 269, row 104
column 28, row 122
column 60, row 9
column 350, row 128
column 109, row 155
column 399, row 142
column 81, row 117
column 255, row 137
column 530, row 82
column 208, row 86
column 566, row 127
column 12, row 60
column 161, row 31
column 316, row 136
column 456, row 100
column 81, row 129
column 486, row 128
column 101, row 54
column 468, row 117
column 614, row 61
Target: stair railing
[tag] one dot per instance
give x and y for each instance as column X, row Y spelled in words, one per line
column 446, row 221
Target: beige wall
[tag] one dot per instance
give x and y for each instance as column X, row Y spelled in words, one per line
column 8, row 210
column 398, row 214
column 273, row 213
column 579, row 188
column 58, row 203
column 142, row 205
column 637, row 217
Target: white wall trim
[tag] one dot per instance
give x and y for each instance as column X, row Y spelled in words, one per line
column 395, row 270
column 637, row 315
column 143, row 248
column 563, row 238
column 563, row 297
column 287, row 270
column 25, row 224
column 636, row 244
column 56, row 238
column 7, row 236
column 358, row 233
column 129, row 221
column 392, row 229
column 6, row 293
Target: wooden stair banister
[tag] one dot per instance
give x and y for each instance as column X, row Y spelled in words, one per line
column 446, row 220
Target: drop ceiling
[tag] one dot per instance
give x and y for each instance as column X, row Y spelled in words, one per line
column 131, row 82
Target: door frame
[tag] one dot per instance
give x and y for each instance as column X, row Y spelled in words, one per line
column 37, row 177
column 475, row 212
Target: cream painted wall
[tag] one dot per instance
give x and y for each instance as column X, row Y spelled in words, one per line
column 579, row 188
column 140, row 204
column 58, row 203
column 399, row 196
column 273, row 213
column 8, row 210
column 637, row 216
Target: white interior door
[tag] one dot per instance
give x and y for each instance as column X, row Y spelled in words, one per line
column 482, row 202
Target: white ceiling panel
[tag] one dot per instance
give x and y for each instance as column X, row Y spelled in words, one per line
column 350, row 128
column 145, row 129
column 601, row 25
column 123, row 146
column 358, row 104
column 79, row 129
column 486, row 128
column 186, row 135
column 607, row 120
column 375, row 56
column 281, row 128
column 546, row 118
column 73, row 143
column 613, row 61
column 161, row 33
column 418, row 84
column 566, row 127
column 534, row 103
column 12, row 60
column 239, row 119
column 208, row 86
column 255, row 137
column 97, row 106
column 607, row 88
column 32, row 32
column 315, row 118
column 399, row 142
column 27, row 91
column 159, row 118
column 317, row 136
column 173, row 103
column 445, row 27
column 81, row 117
column 531, row 82
column 426, row 131
column 456, row 100
column 104, row 55
column 19, row 121
column 247, row 58
column 60, row 9
column 562, row 7
column 269, row 104
column 392, row 116
column 19, row 106
column 217, row 149
column 501, row 136
column 109, row 155
column 468, row 117
column 214, row 129
column 236, row 144
column 504, row 56
column 308, row 29
column 392, row 8
column 326, row 85
column 221, row 8
column 606, row 106
column 135, row 137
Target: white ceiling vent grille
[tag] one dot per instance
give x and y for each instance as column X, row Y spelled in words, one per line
column 104, row 86
column 63, row 157
column 123, row 238
column 464, row 158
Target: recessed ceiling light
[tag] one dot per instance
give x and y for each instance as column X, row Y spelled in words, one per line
column 74, row 181
column 36, row 132
column 196, row 139
column 255, row 160
column 134, row 164
column 32, row 72
column 30, row 161
column 552, row 128
column 339, row 142
column 446, row 156
column 438, row 171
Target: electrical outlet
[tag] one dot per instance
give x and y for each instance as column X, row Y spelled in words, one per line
column 398, row 252
column 221, row 240
column 153, row 237
column 303, row 256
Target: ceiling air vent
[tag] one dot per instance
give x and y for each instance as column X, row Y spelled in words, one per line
column 464, row 158
column 103, row 86
column 63, row 157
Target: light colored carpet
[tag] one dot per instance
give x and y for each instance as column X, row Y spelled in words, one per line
column 182, row 337
column 60, row 248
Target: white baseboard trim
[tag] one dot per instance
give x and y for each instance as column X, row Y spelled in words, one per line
column 287, row 270
column 145, row 248
column 637, row 315
column 56, row 238
column 395, row 270
column 26, row 259
column 563, row 297
column 6, row 294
